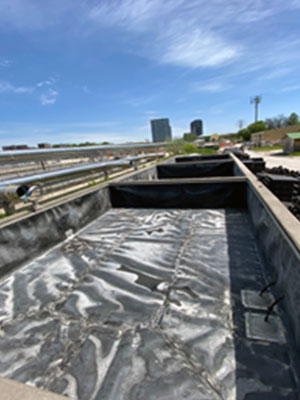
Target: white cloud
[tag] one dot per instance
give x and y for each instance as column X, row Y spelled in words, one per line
column 7, row 87
column 47, row 82
column 49, row 97
column 46, row 98
column 184, row 33
column 197, row 49
column 151, row 112
column 276, row 73
column 210, row 87
column 291, row 88
column 177, row 37
column 138, row 101
column 193, row 33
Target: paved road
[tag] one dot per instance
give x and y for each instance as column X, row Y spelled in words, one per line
column 274, row 159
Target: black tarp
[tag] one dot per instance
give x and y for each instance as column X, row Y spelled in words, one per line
column 179, row 195
column 144, row 304
column 195, row 169
column 202, row 158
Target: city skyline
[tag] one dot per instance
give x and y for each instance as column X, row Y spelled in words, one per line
column 99, row 71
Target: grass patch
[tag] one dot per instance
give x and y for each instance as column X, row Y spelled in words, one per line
column 92, row 183
column 266, row 148
column 207, row 151
column 297, row 153
column 190, row 148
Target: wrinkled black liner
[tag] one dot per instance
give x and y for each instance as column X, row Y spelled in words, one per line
column 179, row 195
column 195, row 169
column 143, row 304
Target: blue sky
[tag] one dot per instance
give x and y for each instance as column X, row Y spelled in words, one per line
column 99, row 70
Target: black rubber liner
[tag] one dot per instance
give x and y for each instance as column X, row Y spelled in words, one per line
column 179, row 194
column 202, row 158
column 144, row 305
column 195, row 169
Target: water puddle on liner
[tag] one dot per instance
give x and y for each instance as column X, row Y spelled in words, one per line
column 143, row 280
column 186, row 290
column 151, row 283
column 159, row 230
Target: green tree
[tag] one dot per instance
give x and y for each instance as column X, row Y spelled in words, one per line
column 189, row 137
column 257, row 126
column 277, row 122
column 293, row 119
column 174, row 146
column 244, row 134
column 189, row 148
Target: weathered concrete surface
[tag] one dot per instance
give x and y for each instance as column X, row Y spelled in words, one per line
column 13, row 390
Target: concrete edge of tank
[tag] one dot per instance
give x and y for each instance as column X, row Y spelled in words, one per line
column 283, row 216
column 13, row 390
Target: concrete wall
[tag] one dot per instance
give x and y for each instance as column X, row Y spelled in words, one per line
column 288, row 145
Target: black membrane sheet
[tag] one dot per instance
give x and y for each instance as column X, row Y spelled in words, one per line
column 195, row 169
column 143, row 304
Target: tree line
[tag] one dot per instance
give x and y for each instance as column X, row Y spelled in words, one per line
column 270, row 123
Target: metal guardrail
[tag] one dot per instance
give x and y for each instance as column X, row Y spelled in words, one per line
column 71, row 152
column 30, row 188
column 47, row 176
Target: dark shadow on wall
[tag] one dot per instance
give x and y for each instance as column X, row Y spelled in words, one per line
column 263, row 368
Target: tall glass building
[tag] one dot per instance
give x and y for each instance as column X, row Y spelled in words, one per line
column 161, row 129
column 197, row 127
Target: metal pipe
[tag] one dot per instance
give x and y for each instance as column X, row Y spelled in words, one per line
column 19, row 155
column 15, row 192
column 47, row 176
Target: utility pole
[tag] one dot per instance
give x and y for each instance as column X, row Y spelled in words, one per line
column 240, row 124
column 256, row 100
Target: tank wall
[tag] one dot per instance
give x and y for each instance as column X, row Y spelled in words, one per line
column 23, row 240
column 217, row 194
column 282, row 260
column 202, row 169
column 237, row 171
